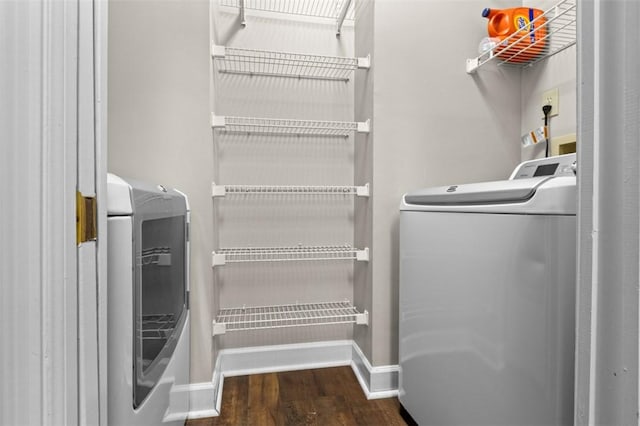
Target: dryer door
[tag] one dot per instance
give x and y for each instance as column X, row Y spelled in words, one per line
column 160, row 307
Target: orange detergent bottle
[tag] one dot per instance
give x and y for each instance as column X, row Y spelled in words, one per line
column 521, row 31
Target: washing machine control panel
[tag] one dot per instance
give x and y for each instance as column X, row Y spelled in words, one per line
column 561, row 165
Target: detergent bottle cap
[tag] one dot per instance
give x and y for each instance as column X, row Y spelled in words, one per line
column 486, row 12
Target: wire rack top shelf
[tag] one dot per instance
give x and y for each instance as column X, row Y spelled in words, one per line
column 236, row 60
column 283, row 254
column 314, row 8
column 553, row 32
column 283, row 126
column 339, row 10
column 296, row 315
column 224, row 190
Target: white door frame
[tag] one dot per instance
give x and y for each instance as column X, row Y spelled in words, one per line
column 608, row 314
column 91, row 172
column 52, row 117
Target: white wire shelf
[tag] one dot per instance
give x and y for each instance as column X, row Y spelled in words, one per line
column 340, row 10
column 287, row 126
column 280, row 316
column 160, row 256
column 285, row 64
column 555, row 30
column 285, row 254
column 157, row 326
column 224, row 190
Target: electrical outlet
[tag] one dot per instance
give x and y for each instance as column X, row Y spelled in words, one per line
column 551, row 97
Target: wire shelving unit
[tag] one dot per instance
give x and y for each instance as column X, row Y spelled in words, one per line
column 557, row 23
column 236, row 60
column 286, row 254
column 283, row 126
column 340, row 10
column 280, row 316
column 252, row 62
column 224, row 190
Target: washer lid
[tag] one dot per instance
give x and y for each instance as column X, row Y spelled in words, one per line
column 497, row 192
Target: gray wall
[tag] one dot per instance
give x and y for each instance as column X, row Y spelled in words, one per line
column 433, row 124
column 159, row 127
column 558, row 71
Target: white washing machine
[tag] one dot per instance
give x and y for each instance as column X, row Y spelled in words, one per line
column 487, row 299
column 148, row 304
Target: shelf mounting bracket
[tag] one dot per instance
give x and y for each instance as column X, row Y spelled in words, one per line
column 364, row 127
column 363, row 318
column 362, row 191
column 218, row 328
column 218, row 120
column 364, row 62
column 363, row 255
column 218, row 51
column 218, row 259
column 472, row 65
column 218, row 190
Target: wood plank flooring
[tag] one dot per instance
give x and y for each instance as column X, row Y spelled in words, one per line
column 323, row 397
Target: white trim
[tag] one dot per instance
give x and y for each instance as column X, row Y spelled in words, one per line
column 38, row 248
column 100, row 66
column 376, row 382
column 217, row 381
column 201, row 395
column 277, row 358
column 593, row 210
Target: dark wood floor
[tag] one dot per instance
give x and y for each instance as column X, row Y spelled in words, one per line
column 326, row 396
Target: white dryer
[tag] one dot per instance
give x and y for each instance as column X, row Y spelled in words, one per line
column 148, row 304
column 487, row 299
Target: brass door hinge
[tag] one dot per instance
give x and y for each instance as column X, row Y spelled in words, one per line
column 86, row 218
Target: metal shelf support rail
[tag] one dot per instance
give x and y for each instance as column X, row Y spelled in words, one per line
column 284, row 254
column 287, row 126
column 236, row 60
column 342, row 15
column 560, row 34
column 296, row 315
column 223, row 190
column 338, row 10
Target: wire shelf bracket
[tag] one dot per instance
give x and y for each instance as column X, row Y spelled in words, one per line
column 281, row 316
column 342, row 15
column 234, row 60
column 559, row 25
column 285, row 254
column 287, row 126
column 224, row 190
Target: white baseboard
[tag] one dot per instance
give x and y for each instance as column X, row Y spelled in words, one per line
column 201, row 400
column 376, row 382
column 271, row 359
